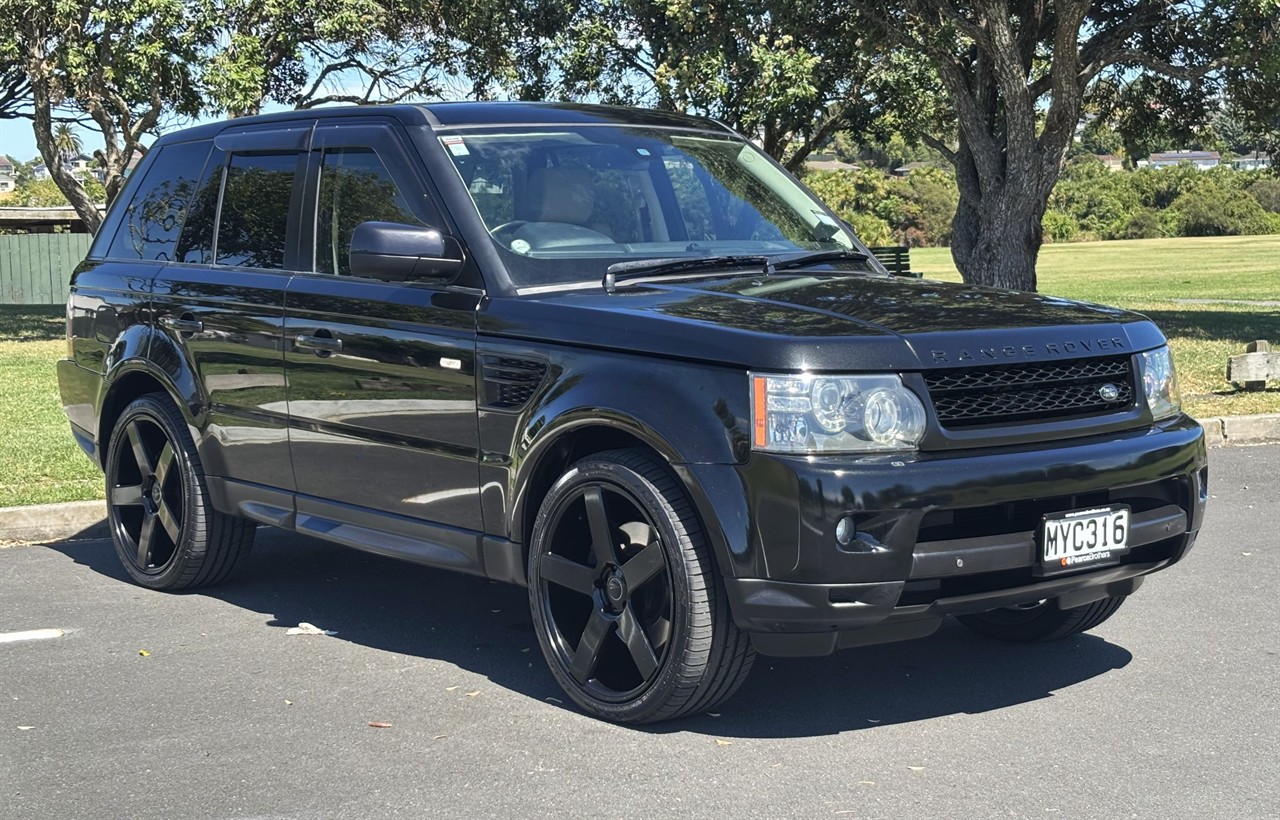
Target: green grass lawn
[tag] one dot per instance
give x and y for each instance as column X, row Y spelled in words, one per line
column 1148, row 276
column 40, row 463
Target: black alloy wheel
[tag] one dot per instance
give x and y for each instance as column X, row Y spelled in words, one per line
column 166, row 533
column 624, row 594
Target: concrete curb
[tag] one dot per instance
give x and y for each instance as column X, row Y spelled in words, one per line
column 54, row 522
column 87, row 519
column 1224, row 430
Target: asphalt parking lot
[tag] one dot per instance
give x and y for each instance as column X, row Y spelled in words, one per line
column 1171, row 709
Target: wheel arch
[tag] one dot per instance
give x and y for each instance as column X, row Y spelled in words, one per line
column 136, row 377
column 576, row 438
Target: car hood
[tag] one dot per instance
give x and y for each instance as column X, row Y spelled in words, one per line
column 853, row 322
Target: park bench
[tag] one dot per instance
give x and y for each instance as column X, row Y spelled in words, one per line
column 896, row 258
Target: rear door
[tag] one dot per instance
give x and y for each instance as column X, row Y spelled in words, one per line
column 382, row 391
column 221, row 301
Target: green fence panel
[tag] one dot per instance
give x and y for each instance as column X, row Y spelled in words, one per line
column 35, row 269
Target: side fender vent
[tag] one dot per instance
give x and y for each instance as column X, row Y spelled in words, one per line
column 509, row 384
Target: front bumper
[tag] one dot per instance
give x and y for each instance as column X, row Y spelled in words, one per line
column 942, row 533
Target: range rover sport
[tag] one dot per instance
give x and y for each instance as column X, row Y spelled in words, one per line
column 622, row 358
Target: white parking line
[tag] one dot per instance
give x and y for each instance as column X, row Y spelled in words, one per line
column 30, row 635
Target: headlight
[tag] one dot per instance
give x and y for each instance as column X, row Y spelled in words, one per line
column 1160, row 381
column 835, row 414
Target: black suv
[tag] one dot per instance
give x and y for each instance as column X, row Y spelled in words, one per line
column 620, row 357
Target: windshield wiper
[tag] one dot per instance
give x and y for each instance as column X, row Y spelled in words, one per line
column 814, row 258
column 622, row 272
column 643, row 269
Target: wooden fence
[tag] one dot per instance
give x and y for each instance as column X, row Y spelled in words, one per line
column 36, row 268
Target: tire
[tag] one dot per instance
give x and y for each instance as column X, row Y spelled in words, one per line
column 166, row 532
column 639, row 632
column 1043, row 621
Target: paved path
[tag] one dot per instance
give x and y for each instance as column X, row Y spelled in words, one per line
column 1169, row 710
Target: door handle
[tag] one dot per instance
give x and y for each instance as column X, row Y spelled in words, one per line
column 322, row 345
column 182, row 324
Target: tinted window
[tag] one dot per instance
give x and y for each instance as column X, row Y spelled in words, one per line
column 196, row 242
column 149, row 229
column 255, row 210
column 354, row 187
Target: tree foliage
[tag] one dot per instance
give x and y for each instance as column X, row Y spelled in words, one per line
column 792, row 75
column 121, row 64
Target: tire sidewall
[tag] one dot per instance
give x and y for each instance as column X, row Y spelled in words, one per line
column 676, row 551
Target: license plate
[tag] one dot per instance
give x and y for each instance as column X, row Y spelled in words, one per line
column 1083, row 538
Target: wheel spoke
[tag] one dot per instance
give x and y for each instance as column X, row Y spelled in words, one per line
column 637, row 642
column 130, row 496
column 145, row 539
column 588, row 652
column 601, row 533
column 164, row 463
column 643, row 566
column 170, row 522
column 140, row 455
column 568, row 574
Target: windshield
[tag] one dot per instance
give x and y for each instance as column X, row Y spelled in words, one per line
column 564, row 203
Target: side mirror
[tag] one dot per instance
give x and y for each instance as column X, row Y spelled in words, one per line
column 401, row 253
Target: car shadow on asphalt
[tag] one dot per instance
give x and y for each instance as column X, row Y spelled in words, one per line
column 484, row 627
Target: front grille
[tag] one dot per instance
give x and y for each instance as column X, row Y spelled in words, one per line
column 965, row 397
column 510, row 383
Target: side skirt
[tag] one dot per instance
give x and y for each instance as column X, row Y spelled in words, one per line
column 373, row 531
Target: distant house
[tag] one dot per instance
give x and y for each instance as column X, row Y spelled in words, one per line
column 1111, row 161
column 1203, row 160
column 7, row 180
column 38, row 170
column 1252, row 162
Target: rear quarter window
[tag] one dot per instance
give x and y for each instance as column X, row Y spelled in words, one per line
column 154, row 217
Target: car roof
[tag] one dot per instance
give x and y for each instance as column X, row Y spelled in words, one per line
column 447, row 115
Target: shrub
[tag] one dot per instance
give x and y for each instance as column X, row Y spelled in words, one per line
column 1143, row 224
column 870, row 228
column 1060, row 227
column 1210, row 209
column 1267, row 192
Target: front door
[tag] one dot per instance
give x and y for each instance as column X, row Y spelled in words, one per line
column 382, row 391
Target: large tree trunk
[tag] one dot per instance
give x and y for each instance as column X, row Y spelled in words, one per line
column 42, row 125
column 997, row 230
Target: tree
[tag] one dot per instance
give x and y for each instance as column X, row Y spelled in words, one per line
column 120, row 64
column 304, row 53
column 789, row 74
column 66, row 142
column 1017, row 77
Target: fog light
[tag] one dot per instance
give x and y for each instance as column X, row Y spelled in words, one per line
column 846, row 531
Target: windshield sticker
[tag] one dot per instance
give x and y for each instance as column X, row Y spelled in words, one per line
column 456, row 146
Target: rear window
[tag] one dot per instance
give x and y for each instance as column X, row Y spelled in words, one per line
column 255, row 210
column 149, row 229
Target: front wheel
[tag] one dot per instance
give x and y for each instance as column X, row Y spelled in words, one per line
column 626, row 601
column 166, row 532
column 1040, row 620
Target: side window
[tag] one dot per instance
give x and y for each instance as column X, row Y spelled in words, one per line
column 355, row 187
column 149, row 229
column 195, row 245
column 255, row 209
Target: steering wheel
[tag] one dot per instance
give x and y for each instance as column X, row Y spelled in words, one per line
column 507, row 227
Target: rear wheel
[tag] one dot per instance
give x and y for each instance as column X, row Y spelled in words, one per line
column 1040, row 620
column 166, row 532
column 625, row 597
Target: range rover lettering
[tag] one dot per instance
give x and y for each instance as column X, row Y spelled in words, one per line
column 619, row 357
